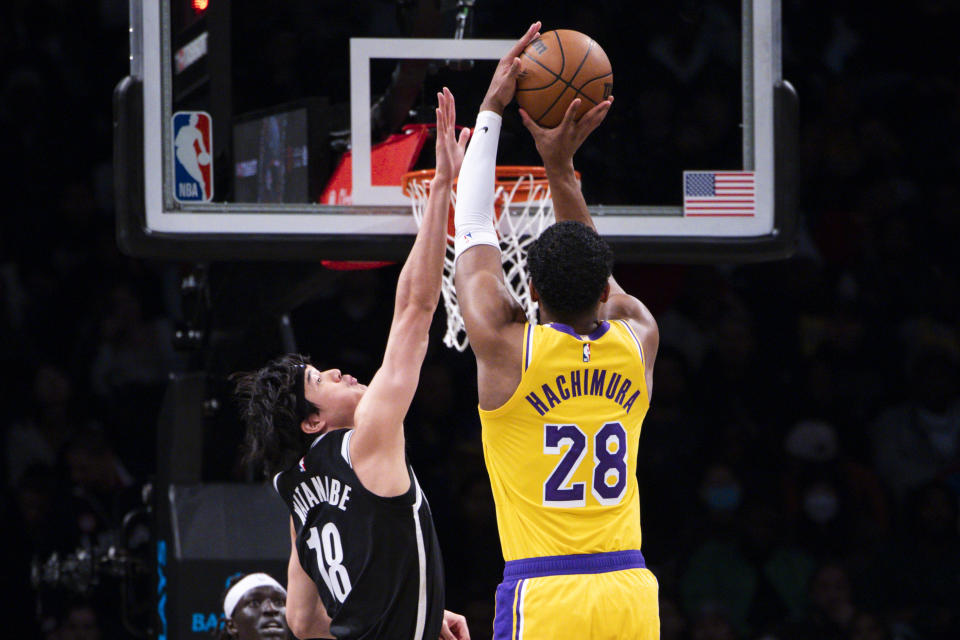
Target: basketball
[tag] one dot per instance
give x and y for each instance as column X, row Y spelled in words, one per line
column 557, row 67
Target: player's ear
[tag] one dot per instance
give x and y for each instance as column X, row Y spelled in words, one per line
column 606, row 292
column 230, row 627
column 312, row 424
column 533, row 291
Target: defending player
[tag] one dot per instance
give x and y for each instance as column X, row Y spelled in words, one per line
column 561, row 402
column 364, row 557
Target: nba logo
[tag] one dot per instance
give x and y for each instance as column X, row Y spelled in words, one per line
column 586, row 352
column 192, row 156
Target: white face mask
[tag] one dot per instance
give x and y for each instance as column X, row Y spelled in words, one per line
column 820, row 505
column 942, row 430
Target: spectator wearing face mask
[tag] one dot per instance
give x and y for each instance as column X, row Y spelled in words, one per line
column 718, row 575
column 748, row 567
column 715, row 570
column 835, row 503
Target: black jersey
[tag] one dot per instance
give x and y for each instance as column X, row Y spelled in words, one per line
column 376, row 561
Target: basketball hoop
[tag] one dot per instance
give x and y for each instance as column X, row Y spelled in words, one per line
column 523, row 209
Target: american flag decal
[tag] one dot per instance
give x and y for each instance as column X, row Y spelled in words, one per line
column 719, row 193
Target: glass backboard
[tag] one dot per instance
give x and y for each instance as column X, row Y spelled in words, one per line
column 268, row 130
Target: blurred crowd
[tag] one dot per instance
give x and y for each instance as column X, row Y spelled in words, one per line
column 800, row 464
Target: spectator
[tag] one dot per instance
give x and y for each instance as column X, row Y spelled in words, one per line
column 718, row 576
column 81, row 622
column 868, row 626
column 837, row 503
column 712, row 623
column 101, row 491
column 134, row 349
column 917, row 576
column 54, row 416
column 832, row 610
column 673, row 624
column 918, row 440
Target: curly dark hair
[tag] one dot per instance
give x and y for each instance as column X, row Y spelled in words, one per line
column 569, row 265
column 267, row 399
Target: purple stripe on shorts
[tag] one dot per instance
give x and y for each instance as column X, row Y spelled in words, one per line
column 573, row 564
column 503, row 618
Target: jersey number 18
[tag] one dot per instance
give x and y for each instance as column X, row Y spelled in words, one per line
column 326, row 543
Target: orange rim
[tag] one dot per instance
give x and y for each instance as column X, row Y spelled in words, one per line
column 506, row 176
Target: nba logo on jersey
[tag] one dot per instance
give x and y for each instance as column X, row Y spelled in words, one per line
column 192, row 156
column 586, row 352
column 302, row 466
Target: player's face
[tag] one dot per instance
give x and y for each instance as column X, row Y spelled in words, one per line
column 335, row 393
column 260, row 614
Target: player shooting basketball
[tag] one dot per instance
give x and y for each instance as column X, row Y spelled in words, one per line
column 364, row 556
column 561, row 402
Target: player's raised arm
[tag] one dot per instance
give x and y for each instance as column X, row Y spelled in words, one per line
column 485, row 301
column 556, row 147
column 378, row 442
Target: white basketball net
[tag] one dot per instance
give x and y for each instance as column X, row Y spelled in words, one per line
column 520, row 224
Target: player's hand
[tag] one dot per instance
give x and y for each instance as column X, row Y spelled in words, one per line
column 504, row 84
column 454, row 627
column 450, row 150
column 556, row 146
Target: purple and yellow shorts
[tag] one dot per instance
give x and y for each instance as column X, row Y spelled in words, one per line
column 597, row 596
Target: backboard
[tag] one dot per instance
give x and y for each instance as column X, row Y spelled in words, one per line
column 255, row 130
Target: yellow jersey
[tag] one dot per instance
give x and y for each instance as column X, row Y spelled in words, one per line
column 562, row 451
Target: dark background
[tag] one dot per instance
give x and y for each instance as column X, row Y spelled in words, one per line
column 799, row 467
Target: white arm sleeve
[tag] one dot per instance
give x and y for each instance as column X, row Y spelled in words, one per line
column 473, row 217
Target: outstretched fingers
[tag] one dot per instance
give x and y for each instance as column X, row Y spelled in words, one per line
column 570, row 117
column 450, row 107
column 503, row 85
column 443, row 117
column 533, row 32
column 463, row 139
column 528, row 122
column 450, row 147
column 592, row 119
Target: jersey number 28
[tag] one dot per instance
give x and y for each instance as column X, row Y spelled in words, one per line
column 609, row 481
column 326, row 543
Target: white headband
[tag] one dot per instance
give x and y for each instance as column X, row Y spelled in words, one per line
column 240, row 589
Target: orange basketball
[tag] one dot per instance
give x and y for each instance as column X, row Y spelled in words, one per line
column 556, row 68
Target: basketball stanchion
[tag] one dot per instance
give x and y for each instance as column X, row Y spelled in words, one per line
column 523, row 209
